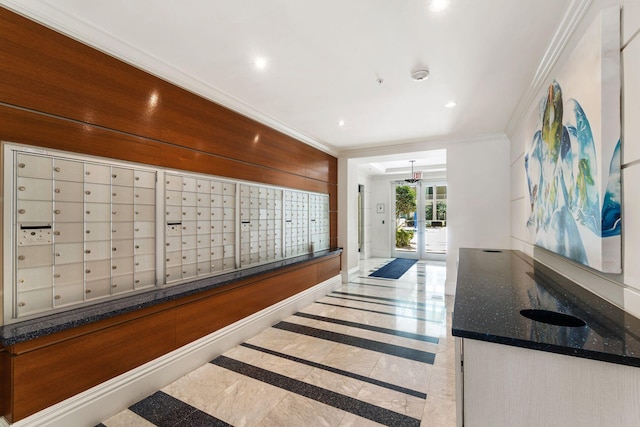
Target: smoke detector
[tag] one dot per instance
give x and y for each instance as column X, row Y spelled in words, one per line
column 420, row 75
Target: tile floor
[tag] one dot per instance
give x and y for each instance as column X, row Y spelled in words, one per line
column 373, row 352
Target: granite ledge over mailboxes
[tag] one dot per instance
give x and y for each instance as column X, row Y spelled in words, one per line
column 34, row 328
column 495, row 285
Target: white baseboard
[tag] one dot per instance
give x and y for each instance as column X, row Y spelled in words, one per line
column 104, row 400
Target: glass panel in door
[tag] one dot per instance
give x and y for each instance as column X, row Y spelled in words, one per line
column 406, row 236
column 435, row 219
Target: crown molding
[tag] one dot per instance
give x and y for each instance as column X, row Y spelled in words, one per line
column 571, row 19
column 417, row 145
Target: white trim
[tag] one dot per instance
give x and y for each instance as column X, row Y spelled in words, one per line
column 571, row 18
column 104, row 400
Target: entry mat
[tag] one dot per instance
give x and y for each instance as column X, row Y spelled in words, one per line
column 394, row 269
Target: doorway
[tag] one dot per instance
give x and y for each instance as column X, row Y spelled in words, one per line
column 420, row 227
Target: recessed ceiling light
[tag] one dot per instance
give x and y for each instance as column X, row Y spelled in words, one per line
column 450, row 104
column 341, row 123
column 438, row 5
column 260, row 63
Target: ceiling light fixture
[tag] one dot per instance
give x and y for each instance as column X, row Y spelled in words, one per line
column 341, row 123
column 438, row 5
column 450, row 104
column 413, row 178
column 420, row 75
column 260, row 63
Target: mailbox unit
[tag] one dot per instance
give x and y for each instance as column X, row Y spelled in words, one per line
column 84, row 229
column 81, row 231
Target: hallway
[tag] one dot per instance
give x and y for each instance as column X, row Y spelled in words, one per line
column 373, row 352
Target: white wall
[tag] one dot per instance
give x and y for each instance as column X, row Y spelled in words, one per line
column 478, row 189
column 363, row 179
column 622, row 290
column 381, row 223
column 348, row 216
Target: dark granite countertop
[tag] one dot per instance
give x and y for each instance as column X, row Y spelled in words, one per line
column 34, row 328
column 494, row 286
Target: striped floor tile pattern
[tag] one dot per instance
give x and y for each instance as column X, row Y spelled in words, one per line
column 374, row 352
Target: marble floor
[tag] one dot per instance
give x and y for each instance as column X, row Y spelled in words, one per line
column 373, row 352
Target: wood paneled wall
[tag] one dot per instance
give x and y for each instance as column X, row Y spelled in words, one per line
column 58, row 93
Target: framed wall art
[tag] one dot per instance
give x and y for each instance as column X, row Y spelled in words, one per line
column 572, row 161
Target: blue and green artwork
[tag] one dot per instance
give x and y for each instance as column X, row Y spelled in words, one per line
column 575, row 205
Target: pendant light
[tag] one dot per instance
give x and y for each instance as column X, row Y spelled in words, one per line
column 412, row 180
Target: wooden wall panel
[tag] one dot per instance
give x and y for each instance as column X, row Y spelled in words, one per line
column 5, row 382
column 56, row 92
column 78, row 331
column 44, row 69
column 321, row 165
column 202, row 317
column 327, row 269
column 52, row 374
column 45, row 131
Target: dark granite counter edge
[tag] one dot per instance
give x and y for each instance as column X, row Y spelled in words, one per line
column 56, row 322
column 550, row 348
column 604, row 315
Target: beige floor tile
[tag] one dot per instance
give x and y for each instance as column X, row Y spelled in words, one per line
column 273, row 339
column 403, row 372
column 269, row 362
column 202, row 385
column 351, row 420
column 245, row 403
column 439, row 413
column 442, row 383
column 353, row 359
column 310, row 348
column 296, row 411
column 338, row 383
column 392, row 400
column 127, row 418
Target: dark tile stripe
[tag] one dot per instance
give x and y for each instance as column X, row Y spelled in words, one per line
column 164, row 410
column 409, row 303
column 338, row 371
column 346, row 403
column 394, row 350
column 372, row 328
column 378, row 312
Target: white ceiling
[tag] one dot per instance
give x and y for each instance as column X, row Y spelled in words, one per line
column 330, row 60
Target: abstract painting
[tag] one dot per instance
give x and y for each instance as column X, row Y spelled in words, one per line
column 572, row 162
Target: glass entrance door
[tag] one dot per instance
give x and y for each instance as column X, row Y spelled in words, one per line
column 406, row 227
column 435, row 207
column 420, row 226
